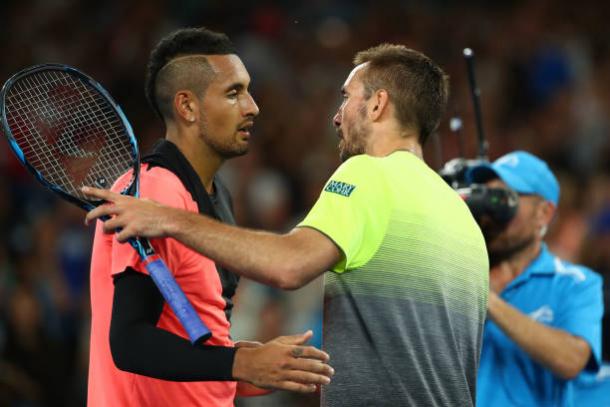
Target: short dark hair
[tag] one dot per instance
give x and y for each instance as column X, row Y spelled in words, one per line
column 416, row 85
column 163, row 78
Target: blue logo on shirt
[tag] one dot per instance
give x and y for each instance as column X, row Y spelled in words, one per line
column 341, row 188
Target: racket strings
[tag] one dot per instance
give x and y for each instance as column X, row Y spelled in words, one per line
column 69, row 132
column 85, row 120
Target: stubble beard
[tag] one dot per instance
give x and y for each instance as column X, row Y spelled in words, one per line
column 359, row 134
column 502, row 249
column 225, row 149
column 232, row 150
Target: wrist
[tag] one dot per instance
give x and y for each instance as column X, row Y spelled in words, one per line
column 240, row 363
column 171, row 224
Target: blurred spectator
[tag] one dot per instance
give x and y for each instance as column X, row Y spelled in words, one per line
column 543, row 325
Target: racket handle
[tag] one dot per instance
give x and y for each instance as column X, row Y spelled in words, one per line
column 173, row 294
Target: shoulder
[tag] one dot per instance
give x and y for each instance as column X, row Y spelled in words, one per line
column 575, row 274
column 159, row 184
column 355, row 172
column 357, row 178
column 359, row 164
column 369, row 166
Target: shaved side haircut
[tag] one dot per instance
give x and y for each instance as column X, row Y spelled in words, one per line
column 178, row 62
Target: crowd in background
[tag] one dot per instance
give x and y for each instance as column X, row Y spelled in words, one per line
column 543, row 67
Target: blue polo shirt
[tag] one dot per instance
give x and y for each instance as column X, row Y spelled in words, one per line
column 558, row 294
column 593, row 389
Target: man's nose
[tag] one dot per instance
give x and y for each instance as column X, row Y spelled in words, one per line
column 251, row 107
column 337, row 120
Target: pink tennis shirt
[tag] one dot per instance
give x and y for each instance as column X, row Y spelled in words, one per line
column 198, row 278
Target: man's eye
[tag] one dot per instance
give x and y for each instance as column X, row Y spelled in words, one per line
column 232, row 94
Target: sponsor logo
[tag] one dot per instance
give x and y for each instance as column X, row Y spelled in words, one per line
column 341, row 188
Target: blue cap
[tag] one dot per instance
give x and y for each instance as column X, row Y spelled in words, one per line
column 521, row 171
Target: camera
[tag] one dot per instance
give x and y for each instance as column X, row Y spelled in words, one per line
column 497, row 203
column 500, row 205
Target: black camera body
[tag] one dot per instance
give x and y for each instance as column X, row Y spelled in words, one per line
column 454, row 171
column 499, row 205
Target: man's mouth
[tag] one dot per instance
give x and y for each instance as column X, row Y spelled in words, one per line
column 245, row 129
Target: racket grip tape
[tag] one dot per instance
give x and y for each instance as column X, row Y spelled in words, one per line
column 175, row 297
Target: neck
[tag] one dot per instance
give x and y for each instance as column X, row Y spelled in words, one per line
column 506, row 271
column 202, row 158
column 385, row 144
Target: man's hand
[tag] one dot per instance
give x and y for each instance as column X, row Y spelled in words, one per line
column 283, row 364
column 245, row 389
column 131, row 216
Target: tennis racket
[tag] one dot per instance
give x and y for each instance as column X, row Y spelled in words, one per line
column 67, row 131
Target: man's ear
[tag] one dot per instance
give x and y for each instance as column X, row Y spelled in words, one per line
column 546, row 213
column 378, row 104
column 186, row 106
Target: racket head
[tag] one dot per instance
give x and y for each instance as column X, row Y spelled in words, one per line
column 68, row 131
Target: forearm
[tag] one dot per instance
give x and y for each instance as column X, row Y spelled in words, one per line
column 269, row 258
column 151, row 351
column 139, row 346
column 287, row 261
column 560, row 352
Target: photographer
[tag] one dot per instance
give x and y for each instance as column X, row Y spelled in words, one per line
column 543, row 324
